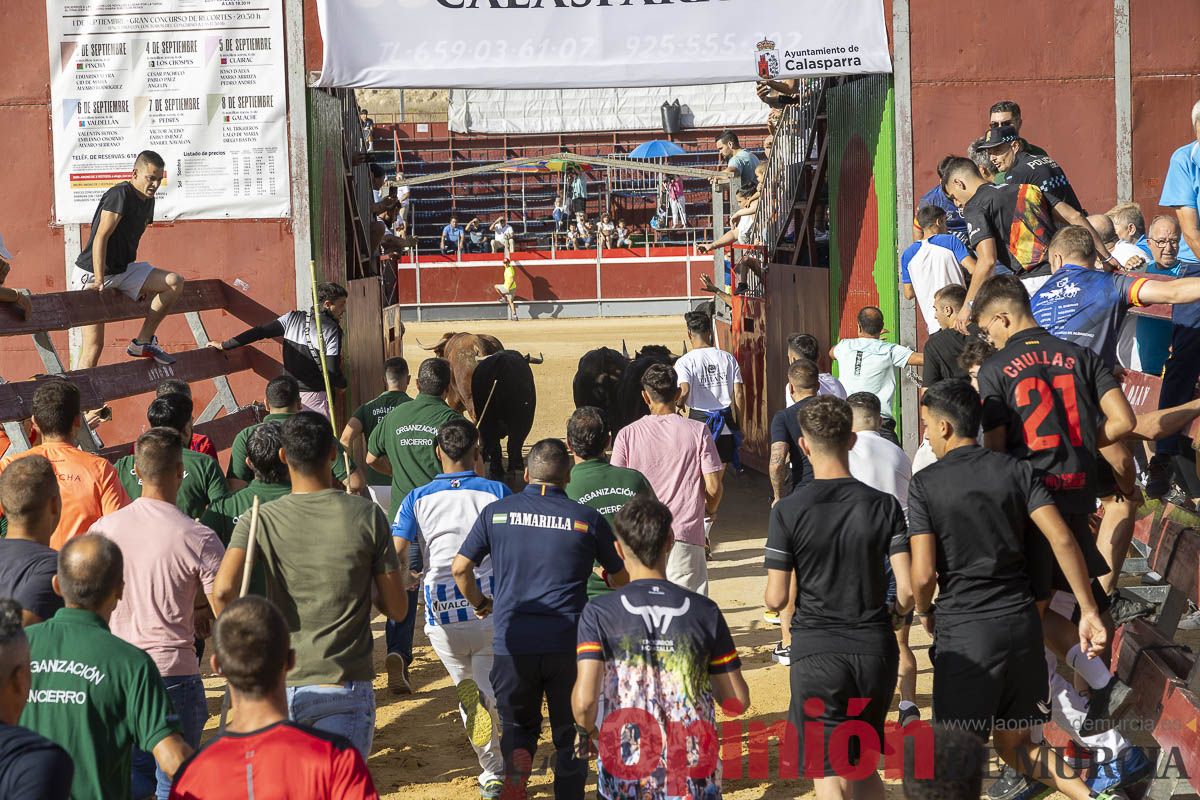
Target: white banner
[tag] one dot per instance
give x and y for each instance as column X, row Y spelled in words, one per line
column 628, row 109
column 200, row 82
column 559, row 44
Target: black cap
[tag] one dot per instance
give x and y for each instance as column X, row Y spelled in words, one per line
column 1004, row 134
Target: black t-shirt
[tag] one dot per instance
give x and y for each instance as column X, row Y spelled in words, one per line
column 32, row 766
column 835, row 535
column 136, row 213
column 941, row 356
column 785, row 427
column 25, row 572
column 1046, row 392
column 977, row 503
column 1045, row 173
column 1017, row 217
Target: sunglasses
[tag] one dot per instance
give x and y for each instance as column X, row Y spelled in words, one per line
column 998, row 123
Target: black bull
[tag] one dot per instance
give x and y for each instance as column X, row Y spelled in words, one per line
column 596, row 380
column 505, row 400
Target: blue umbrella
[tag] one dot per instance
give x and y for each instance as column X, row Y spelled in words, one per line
column 659, row 148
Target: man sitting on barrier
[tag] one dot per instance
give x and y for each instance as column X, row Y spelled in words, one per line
column 8, row 295
column 109, row 261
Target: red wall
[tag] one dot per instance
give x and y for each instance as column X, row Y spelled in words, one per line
column 1056, row 60
column 258, row 252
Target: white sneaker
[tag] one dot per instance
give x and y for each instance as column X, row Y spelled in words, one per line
column 1190, row 622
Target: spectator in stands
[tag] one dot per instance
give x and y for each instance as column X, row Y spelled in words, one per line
column 330, row 609
column 805, row 345
column 118, row 700
column 739, row 162
column 32, row 504
column 579, row 192
column 605, row 230
column 868, row 364
column 474, row 232
column 507, row 288
column 18, row 297
column 170, row 562
column 677, row 200
column 109, row 261
column 202, row 481
column 768, row 146
column 1011, row 225
column 740, row 222
column 938, row 260
column 1145, row 342
column 584, row 231
column 562, row 213
column 383, row 205
column 452, row 238
column 503, row 237
column 1130, row 228
column 366, row 417
column 679, row 458
column 278, row 757
column 301, row 358
column 1128, row 255
column 283, row 401
column 368, row 128
column 30, row 765
column 199, row 442
column 623, row 232
column 89, row 484
column 1006, row 112
column 573, row 241
column 271, row 482
column 1006, row 150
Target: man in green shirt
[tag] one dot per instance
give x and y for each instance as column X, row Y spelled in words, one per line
column 324, row 553
column 366, row 418
column 595, row 482
column 93, row 694
column 202, row 480
column 402, row 445
column 270, row 482
column 283, row 400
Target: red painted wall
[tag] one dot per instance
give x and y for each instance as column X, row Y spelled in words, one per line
column 258, row 252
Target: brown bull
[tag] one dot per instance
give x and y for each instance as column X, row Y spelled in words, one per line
column 463, row 351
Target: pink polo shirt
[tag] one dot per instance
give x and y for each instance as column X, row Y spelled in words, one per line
column 169, row 559
column 674, row 454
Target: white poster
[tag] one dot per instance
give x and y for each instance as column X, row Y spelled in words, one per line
column 631, row 108
column 200, row 82
column 560, row 44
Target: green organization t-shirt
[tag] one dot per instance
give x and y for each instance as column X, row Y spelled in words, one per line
column 320, row 553
column 606, row 488
column 240, row 470
column 406, row 436
column 97, row 697
column 202, row 484
column 224, row 515
column 369, row 415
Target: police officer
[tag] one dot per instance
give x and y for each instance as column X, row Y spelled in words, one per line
column 542, row 545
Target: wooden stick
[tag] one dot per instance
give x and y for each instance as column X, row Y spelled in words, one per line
column 312, row 269
column 247, row 569
column 486, row 403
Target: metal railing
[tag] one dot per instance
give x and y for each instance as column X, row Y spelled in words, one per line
column 792, row 153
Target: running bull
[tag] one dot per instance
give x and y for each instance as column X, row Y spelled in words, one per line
column 630, row 407
column 463, row 351
column 505, row 401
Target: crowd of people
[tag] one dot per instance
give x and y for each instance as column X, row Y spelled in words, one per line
column 587, row 590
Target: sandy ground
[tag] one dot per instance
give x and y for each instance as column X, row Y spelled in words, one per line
column 421, row 751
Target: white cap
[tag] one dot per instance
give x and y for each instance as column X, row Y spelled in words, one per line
column 4, row 254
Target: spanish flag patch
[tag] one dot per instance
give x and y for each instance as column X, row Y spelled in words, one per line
column 722, row 660
column 580, row 526
column 587, row 647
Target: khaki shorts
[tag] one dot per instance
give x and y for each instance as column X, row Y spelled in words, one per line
column 504, row 290
column 688, row 567
column 128, row 283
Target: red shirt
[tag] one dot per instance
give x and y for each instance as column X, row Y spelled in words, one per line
column 284, row 761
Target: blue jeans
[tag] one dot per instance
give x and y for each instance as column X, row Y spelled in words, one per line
column 186, row 693
column 399, row 635
column 347, row 709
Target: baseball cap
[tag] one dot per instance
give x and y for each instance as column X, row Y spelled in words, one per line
column 4, row 254
column 1004, row 134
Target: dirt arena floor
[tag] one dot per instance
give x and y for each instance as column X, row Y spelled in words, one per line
column 421, row 751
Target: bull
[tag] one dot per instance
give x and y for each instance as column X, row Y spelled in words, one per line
column 463, row 351
column 630, row 406
column 596, row 380
column 505, row 398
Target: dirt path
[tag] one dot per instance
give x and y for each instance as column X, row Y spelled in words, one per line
column 421, row 751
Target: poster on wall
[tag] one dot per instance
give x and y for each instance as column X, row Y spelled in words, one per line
column 200, row 82
column 579, row 44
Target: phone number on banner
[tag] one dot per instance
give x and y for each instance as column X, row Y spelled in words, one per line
column 499, row 50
